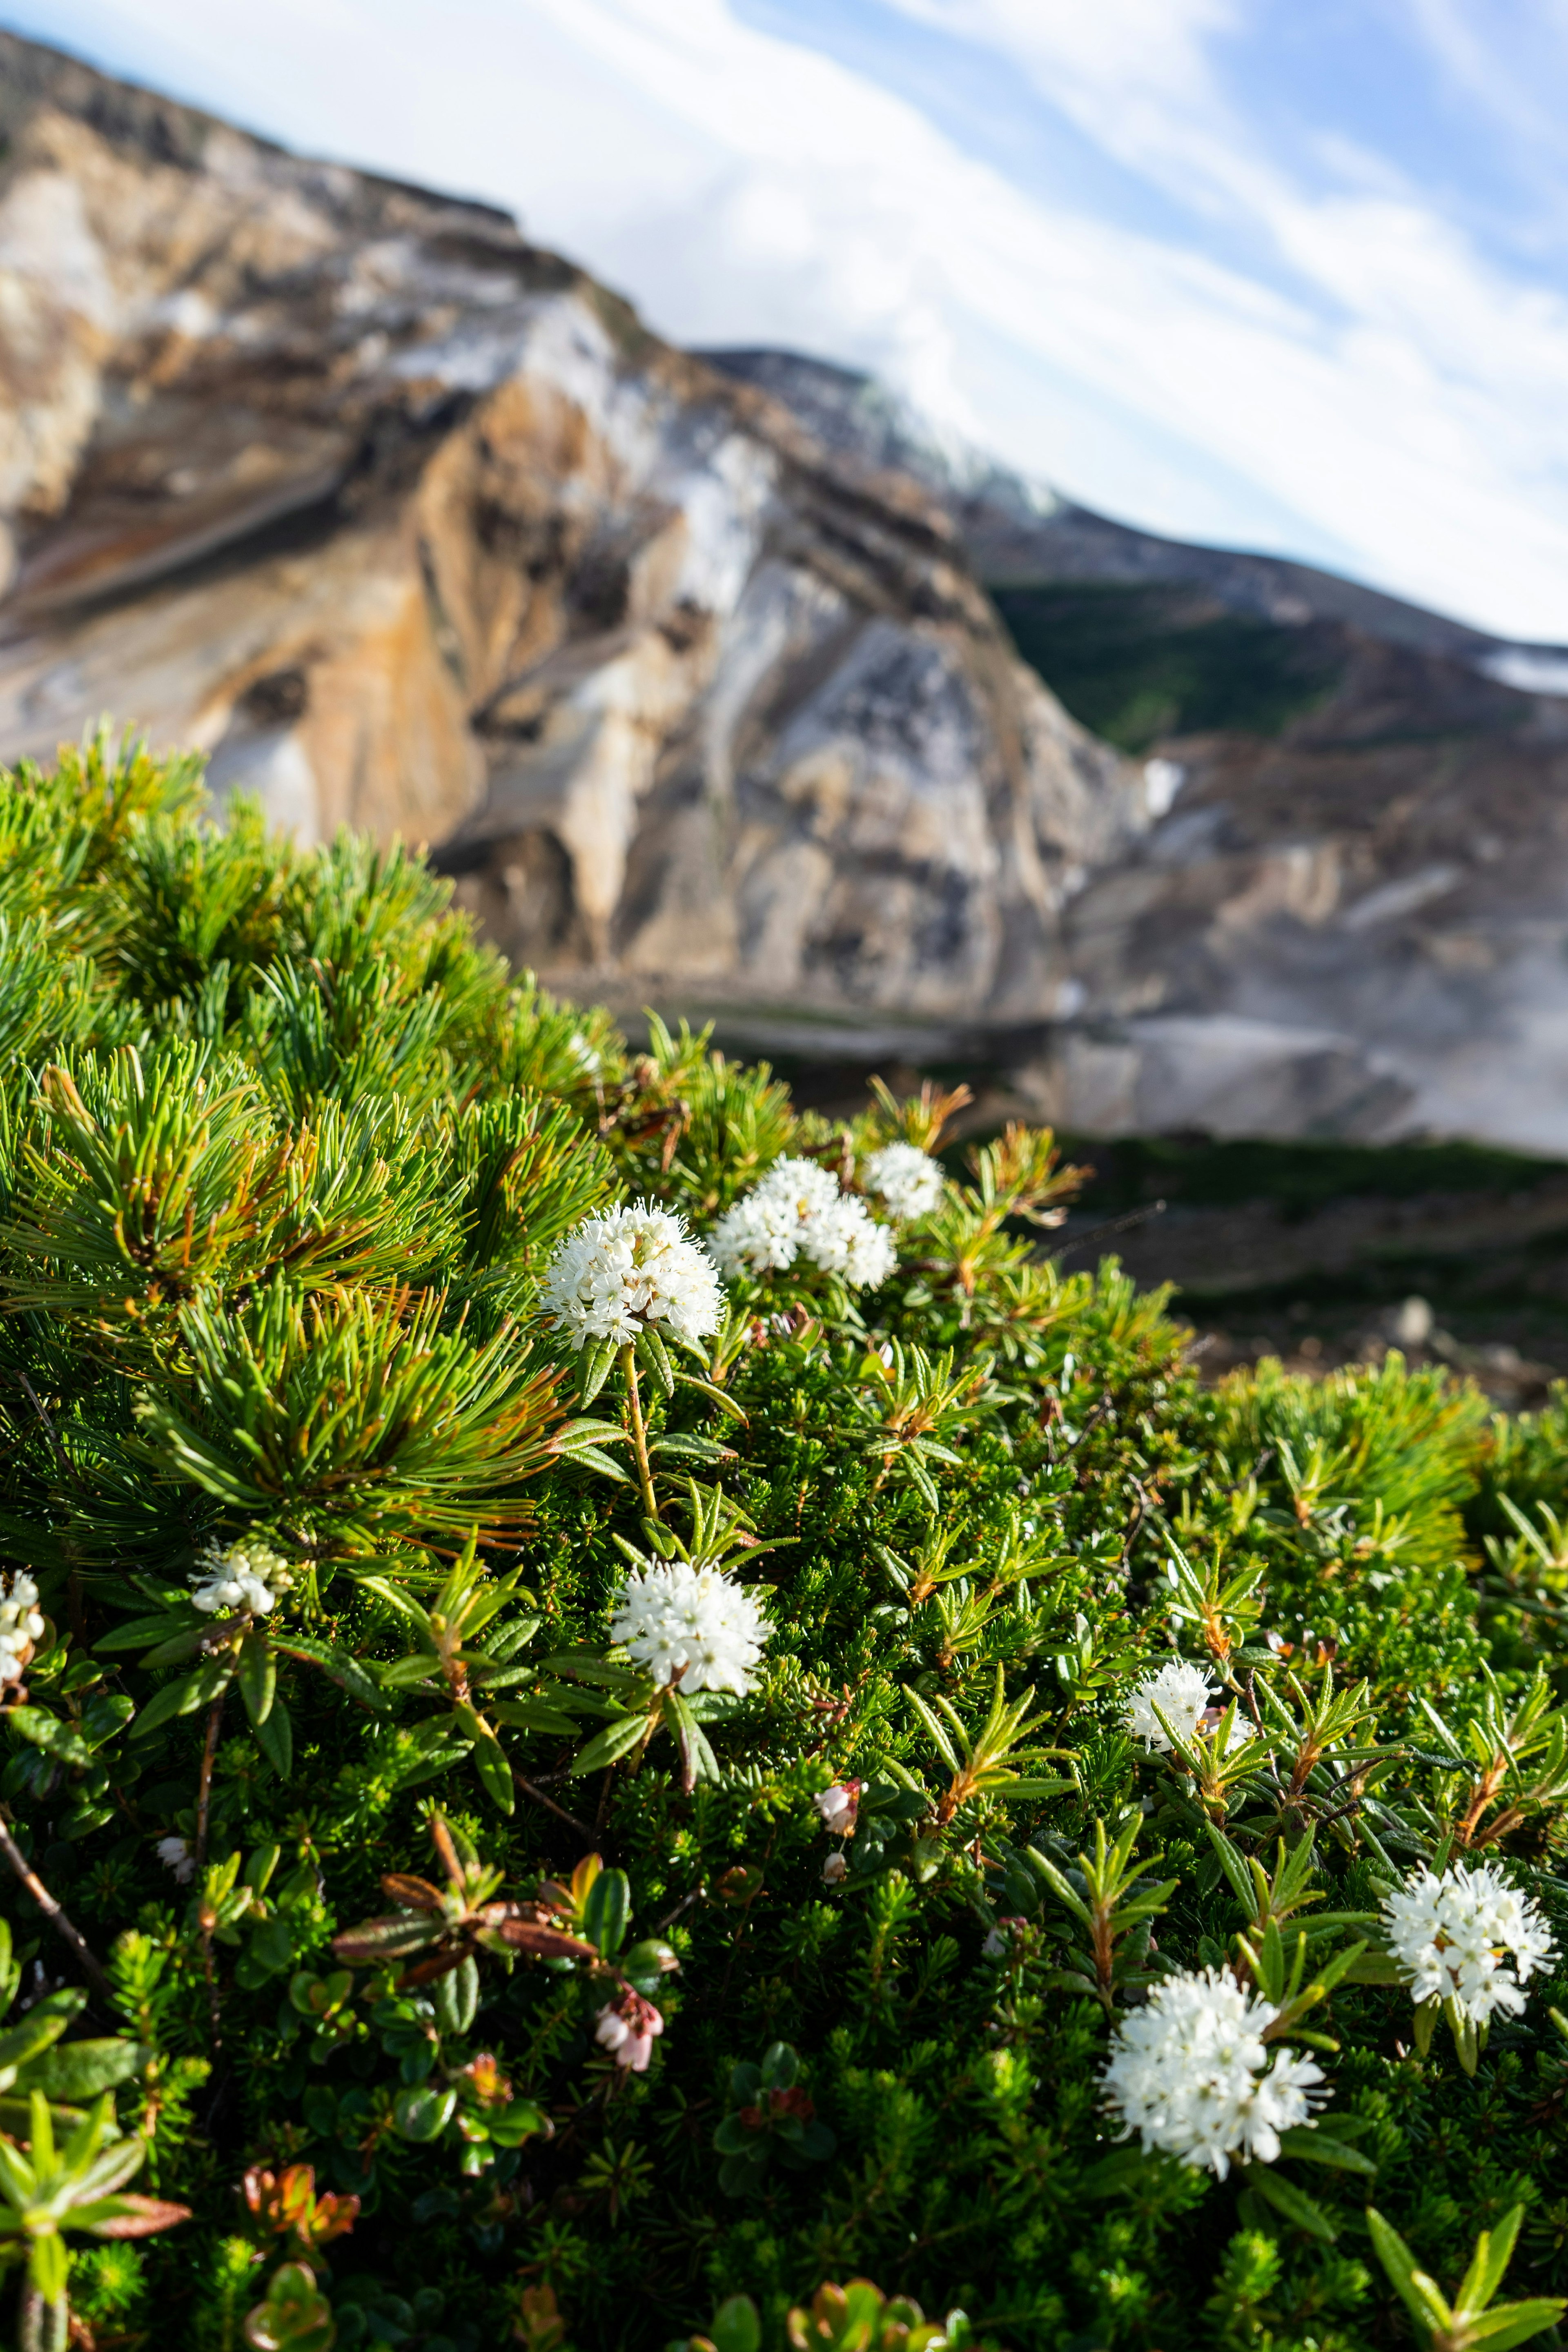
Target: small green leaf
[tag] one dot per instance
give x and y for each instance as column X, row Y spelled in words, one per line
column 616, row 1739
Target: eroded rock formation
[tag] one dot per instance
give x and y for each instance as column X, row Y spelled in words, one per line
column 412, row 526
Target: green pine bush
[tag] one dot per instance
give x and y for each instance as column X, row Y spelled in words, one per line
column 394, row 1958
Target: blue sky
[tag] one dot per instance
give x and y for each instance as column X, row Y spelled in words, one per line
column 1291, row 274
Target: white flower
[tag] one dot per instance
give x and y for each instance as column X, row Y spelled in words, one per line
column 1452, row 1937
column 1189, row 2073
column 834, row 1870
column 799, row 1210
column 1183, row 1694
column 627, row 2029
column 691, row 1622
column 176, row 1855
column 234, row 1577
column 21, row 1625
column 627, row 1268
column 909, row 1179
column 839, row 1807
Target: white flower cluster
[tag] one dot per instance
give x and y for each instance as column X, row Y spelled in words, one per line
column 239, row 1575
column 691, row 1622
column 1183, row 1695
column 20, row 1625
column 627, row 1268
column 1189, row 2073
column 1452, row 1937
column 799, row 1210
column 909, row 1179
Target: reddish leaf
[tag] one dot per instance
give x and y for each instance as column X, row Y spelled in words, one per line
column 140, row 2217
column 544, row 1943
column 384, row 1939
column 414, row 1894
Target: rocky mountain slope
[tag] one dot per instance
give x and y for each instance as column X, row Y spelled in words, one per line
column 719, row 685
column 414, row 526
column 1352, row 916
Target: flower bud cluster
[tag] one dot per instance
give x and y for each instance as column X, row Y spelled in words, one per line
column 1190, row 2073
column 799, row 1210
column 908, row 1179
column 233, row 1578
column 690, row 1624
column 631, row 1268
column 1453, row 1938
column 1185, row 1696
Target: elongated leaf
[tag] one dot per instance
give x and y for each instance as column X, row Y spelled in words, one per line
column 1315, row 2146
column 607, row 1910
column 655, row 1355
column 275, row 1738
column 134, row 2217
column 542, row 1943
column 494, row 1771
column 720, row 1397
column 1516, row 2322
column 1292, row 2202
column 1421, row 2295
column 617, row 1739
column 258, row 1676
column 691, row 1448
column 139, row 1631
column 338, row 1665
column 80, row 2069
column 1232, row 1864
column 936, row 1729
column 595, row 1363
column 414, row 1894
column 184, row 1698
column 534, row 1714
column 43, row 2024
column 1489, row 2265
column 387, row 1939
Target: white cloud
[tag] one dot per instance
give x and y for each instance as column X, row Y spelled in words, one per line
column 1356, row 382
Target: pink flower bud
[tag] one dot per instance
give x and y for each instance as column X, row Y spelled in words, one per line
column 839, row 1807
column 627, row 2029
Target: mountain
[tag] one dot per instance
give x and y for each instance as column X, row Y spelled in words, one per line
column 720, row 682
column 1350, row 916
column 412, row 525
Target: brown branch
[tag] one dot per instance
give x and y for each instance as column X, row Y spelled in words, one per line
column 50, row 1909
column 205, row 1787
column 539, row 1797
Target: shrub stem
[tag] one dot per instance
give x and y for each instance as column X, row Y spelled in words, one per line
column 51, row 1909
column 639, row 1434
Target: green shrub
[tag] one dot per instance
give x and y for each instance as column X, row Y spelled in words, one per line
column 562, row 1830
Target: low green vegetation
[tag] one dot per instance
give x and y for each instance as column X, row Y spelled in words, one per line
column 1138, row 663
column 630, row 1721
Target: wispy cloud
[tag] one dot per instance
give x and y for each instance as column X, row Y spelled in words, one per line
column 1266, row 313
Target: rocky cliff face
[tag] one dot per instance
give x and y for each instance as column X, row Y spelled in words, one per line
column 1352, row 917
column 414, row 527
